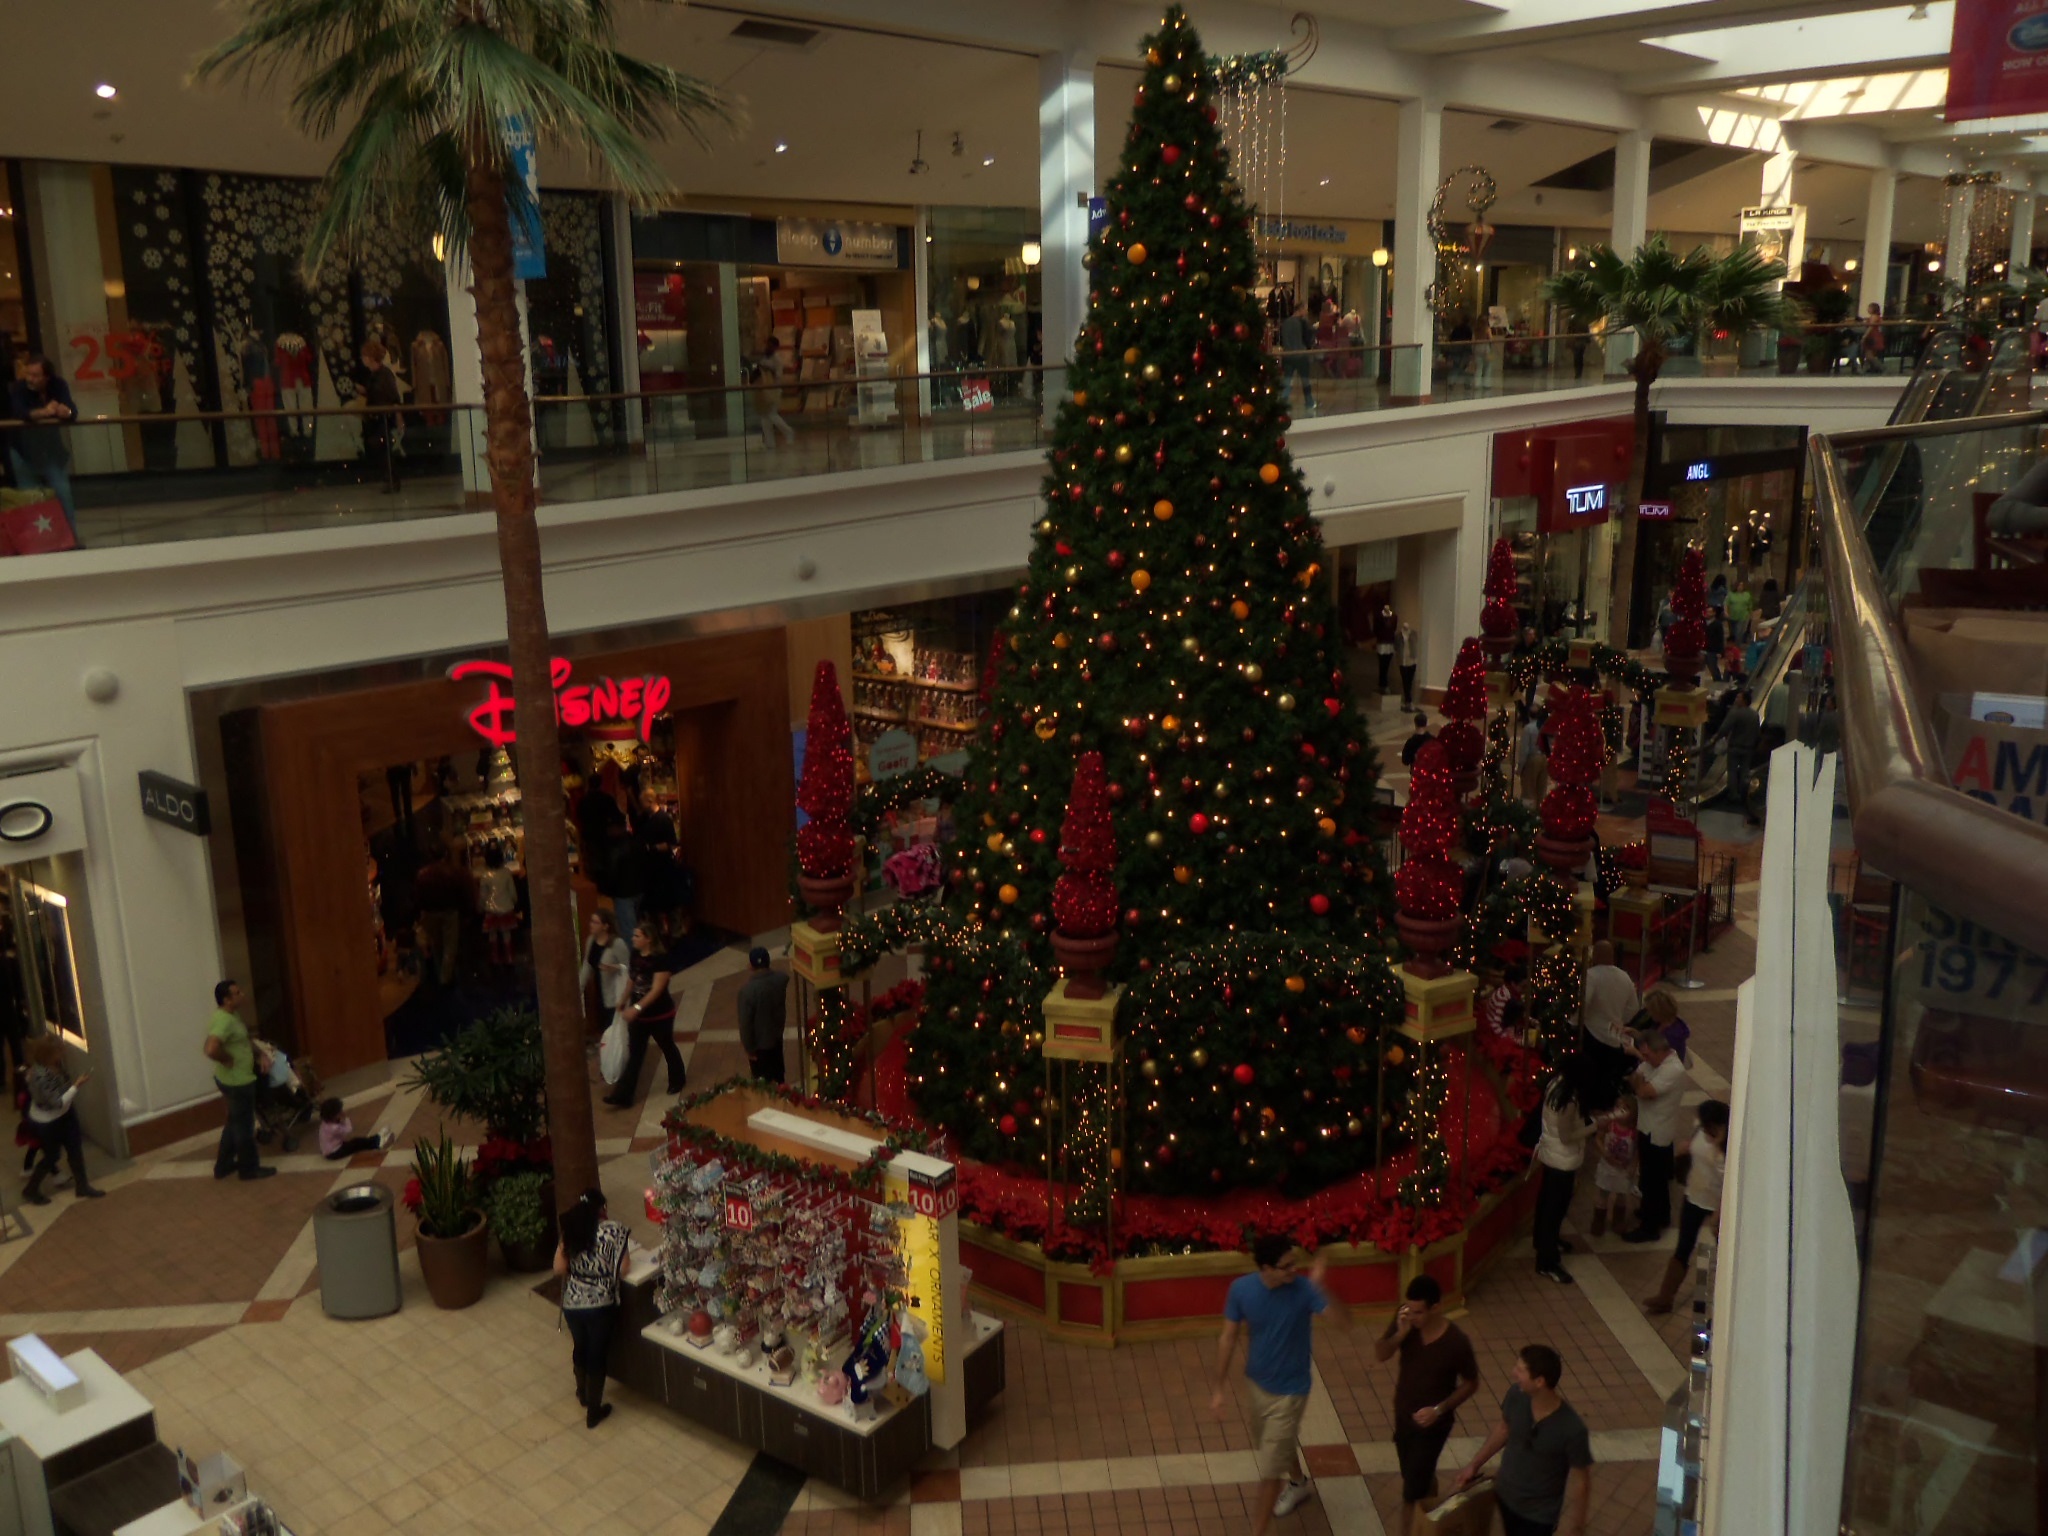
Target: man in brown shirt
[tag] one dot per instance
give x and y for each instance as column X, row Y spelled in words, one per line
column 1438, row 1372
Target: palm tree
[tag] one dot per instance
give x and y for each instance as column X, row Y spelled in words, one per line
column 1664, row 297
column 426, row 90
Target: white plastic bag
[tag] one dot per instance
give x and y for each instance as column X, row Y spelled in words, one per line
column 611, row 1051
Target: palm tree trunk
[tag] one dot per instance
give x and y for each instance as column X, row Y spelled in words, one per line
column 1645, row 365
column 537, row 750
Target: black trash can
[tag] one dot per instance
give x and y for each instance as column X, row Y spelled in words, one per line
column 355, row 1238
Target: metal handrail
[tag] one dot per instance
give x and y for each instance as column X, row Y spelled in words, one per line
column 1972, row 859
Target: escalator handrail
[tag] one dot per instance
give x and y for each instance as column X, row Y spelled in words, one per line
column 1972, row 859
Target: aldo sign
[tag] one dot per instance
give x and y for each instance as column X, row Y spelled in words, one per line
column 175, row 805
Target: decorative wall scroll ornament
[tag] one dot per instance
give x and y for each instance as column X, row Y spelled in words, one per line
column 1252, row 92
column 636, row 701
column 1480, row 195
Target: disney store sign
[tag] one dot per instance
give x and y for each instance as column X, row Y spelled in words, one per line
column 635, row 700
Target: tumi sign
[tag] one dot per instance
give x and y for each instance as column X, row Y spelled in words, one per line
column 1585, row 500
column 175, row 805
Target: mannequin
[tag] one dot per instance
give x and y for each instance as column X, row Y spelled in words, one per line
column 432, row 375
column 295, row 380
column 1386, row 628
column 938, row 339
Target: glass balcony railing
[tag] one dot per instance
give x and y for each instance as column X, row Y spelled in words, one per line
column 1939, row 659
column 157, row 477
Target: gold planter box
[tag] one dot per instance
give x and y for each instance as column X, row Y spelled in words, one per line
column 1439, row 1008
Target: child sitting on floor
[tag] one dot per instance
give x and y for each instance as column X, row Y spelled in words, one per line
column 1614, row 1176
column 337, row 1134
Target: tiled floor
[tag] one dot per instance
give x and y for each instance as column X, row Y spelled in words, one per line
column 434, row 1422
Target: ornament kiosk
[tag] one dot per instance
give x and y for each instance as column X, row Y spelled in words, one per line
column 808, row 1298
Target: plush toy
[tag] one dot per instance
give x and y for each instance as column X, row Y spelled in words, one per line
column 910, row 1368
column 867, row 1369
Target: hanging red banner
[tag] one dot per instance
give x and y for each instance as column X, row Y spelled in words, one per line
column 1998, row 59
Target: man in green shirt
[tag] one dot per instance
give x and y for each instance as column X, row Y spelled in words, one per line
column 234, row 1070
column 1741, row 603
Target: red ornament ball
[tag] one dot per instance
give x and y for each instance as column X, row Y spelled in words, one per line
column 1243, row 1073
column 1198, row 823
column 1170, row 155
column 1319, row 904
column 1007, row 1125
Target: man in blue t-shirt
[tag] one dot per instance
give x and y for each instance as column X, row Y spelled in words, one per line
column 1278, row 1305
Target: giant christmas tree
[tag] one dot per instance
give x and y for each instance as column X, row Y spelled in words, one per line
column 1177, row 619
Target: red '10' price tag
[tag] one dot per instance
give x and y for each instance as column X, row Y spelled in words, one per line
column 739, row 1213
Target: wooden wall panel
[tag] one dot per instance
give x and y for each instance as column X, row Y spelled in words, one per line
column 729, row 702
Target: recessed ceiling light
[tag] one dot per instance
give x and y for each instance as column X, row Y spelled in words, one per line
column 1324, row 182
column 104, row 91
column 988, row 159
column 782, row 146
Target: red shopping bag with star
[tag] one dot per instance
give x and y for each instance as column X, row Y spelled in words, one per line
column 36, row 528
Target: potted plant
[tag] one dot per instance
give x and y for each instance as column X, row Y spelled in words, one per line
column 453, row 1238
column 492, row 1072
column 522, row 1218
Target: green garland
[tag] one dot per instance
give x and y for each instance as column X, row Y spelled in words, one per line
column 877, row 802
column 1426, row 1187
column 1528, row 668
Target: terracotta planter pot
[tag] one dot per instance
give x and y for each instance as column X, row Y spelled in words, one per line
column 1566, row 857
column 455, row 1267
column 1639, row 878
column 827, row 900
column 528, row 1258
column 1427, row 939
column 1084, row 961
column 1685, row 666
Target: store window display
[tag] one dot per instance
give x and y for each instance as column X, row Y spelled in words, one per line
column 987, row 309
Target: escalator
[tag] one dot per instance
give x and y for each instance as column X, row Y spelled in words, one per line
column 1888, row 501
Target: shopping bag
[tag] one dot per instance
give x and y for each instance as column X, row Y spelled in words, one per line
column 34, row 527
column 1468, row 1512
column 611, row 1051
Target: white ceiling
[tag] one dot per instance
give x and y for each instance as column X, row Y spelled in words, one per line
column 850, row 106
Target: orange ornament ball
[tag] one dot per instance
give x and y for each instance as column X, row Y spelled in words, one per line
column 1060, row 641
column 1138, row 254
column 1080, row 397
column 1182, row 873
column 1327, row 825
column 1297, row 983
column 1140, row 580
column 1269, row 474
column 1132, row 354
column 1240, row 609
column 1116, row 1158
column 1395, row 1056
column 1355, row 1035
column 1163, row 510
column 1169, row 723
column 1008, row 894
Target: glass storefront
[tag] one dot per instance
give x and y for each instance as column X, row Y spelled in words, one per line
column 986, row 310
column 159, row 292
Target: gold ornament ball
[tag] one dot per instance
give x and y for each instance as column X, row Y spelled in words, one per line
column 1155, row 839
column 1199, row 1056
column 1191, row 645
column 1163, row 510
column 1047, row 729
column 1138, row 255
column 1286, row 703
column 1123, row 453
column 1149, row 373
column 1008, row 894
column 1045, row 525
column 1140, row 580
column 1183, row 874
column 1269, row 474
column 1171, row 82
column 1355, row 1126
column 1073, row 574
column 1240, row 610
column 1253, row 672
column 1149, row 1068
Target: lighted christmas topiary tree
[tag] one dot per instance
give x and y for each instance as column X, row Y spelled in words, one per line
column 1084, row 896
column 1578, row 751
column 1464, row 707
column 1685, row 642
column 1428, row 886
column 824, row 843
column 1175, row 620
column 1497, row 619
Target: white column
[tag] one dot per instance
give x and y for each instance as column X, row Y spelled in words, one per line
column 1066, row 176
column 730, row 363
column 1631, row 191
column 1419, row 152
column 1877, row 240
column 2022, row 233
column 466, row 381
column 1955, row 250
column 629, row 411
column 921, row 267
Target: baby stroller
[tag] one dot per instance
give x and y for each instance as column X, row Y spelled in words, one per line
column 287, row 1096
